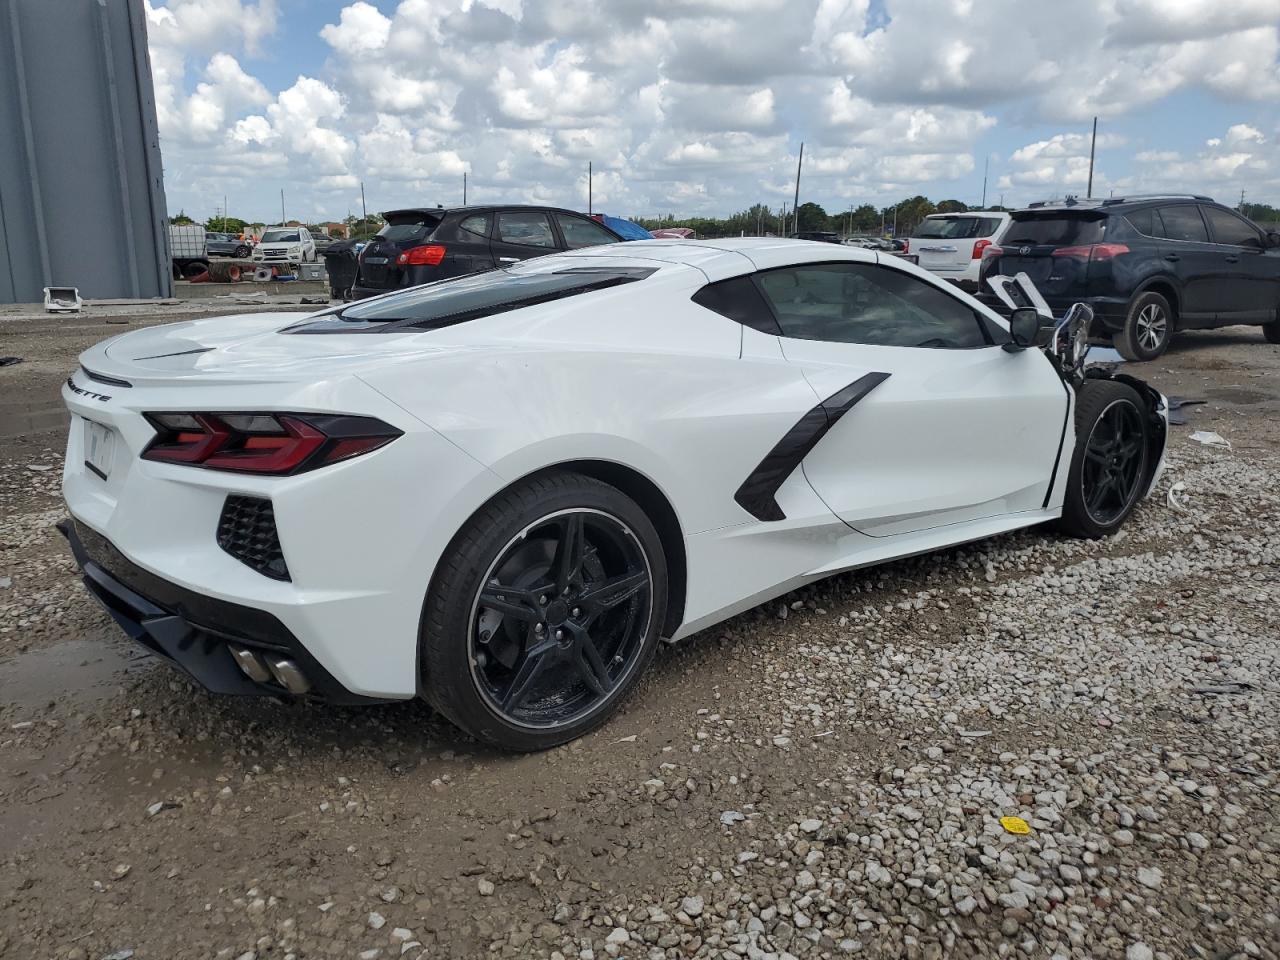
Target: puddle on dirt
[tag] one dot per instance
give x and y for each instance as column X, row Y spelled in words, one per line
column 1240, row 395
column 75, row 671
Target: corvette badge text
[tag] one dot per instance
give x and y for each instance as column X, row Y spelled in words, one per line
column 87, row 393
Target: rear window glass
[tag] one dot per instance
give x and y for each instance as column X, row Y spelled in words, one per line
column 400, row 228
column 1059, row 230
column 953, row 228
column 447, row 302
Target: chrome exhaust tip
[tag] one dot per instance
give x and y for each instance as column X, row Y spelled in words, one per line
column 288, row 674
column 251, row 665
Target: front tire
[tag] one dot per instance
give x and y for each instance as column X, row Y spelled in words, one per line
column 1109, row 466
column 1272, row 330
column 544, row 612
column 1147, row 329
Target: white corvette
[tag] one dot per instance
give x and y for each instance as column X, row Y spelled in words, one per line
column 500, row 491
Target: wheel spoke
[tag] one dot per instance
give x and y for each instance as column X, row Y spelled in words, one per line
column 510, row 601
column 527, row 673
column 591, row 665
column 604, row 596
column 566, row 565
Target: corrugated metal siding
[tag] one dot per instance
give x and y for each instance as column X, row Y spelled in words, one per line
column 81, row 186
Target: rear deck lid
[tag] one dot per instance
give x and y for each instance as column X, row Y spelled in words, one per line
column 1034, row 237
column 403, row 229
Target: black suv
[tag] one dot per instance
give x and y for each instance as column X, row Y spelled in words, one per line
column 1148, row 266
column 432, row 243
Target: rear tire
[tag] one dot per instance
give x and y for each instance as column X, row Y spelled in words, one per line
column 242, row 252
column 1272, row 330
column 1147, row 330
column 1109, row 466
column 580, row 632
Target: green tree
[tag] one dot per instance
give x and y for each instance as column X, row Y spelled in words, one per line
column 866, row 219
column 181, row 219
column 225, row 225
column 952, row 206
column 811, row 216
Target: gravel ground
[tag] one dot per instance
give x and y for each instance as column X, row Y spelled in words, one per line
column 822, row 777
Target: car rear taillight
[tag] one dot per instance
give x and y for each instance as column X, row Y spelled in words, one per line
column 428, row 256
column 1093, row 251
column 906, row 246
column 979, row 248
column 274, row 444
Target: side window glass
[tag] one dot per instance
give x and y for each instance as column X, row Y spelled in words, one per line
column 583, row 233
column 1230, row 229
column 1183, row 222
column 738, row 299
column 868, row 304
column 477, row 225
column 525, row 228
column 1143, row 221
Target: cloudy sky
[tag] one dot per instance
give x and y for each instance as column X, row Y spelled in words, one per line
column 699, row 106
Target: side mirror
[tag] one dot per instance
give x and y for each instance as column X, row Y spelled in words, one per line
column 1024, row 325
column 1273, row 239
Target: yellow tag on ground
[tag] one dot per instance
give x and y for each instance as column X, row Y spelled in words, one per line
column 1015, row 825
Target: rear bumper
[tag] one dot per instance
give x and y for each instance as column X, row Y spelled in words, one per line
column 1109, row 312
column 194, row 632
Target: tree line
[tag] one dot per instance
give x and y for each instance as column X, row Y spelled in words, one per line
column 863, row 220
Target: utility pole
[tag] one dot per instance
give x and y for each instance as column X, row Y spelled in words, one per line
column 1241, row 207
column 848, row 229
column 282, row 221
column 464, row 188
column 590, row 178
column 985, row 170
column 364, row 211
column 783, row 231
column 1092, row 147
column 795, row 207
column 224, row 210
column 895, row 218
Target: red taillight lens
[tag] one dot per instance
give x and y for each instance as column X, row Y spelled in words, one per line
column 274, row 444
column 1093, row 251
column 428, row 256
column 906, row 246
column 979, row 246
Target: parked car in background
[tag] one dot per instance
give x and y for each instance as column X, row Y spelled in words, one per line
column 423, row 244
column 864, row 243
column 674, row 233
column 626, row 229
column 953, row 245
column 819, row 236
column 1148, row 266
column 286, row 245
column 323, row 242
column 226, row 245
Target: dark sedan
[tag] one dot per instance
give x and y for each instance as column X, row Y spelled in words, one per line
column 226, row 245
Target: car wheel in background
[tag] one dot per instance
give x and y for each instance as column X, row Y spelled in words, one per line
column 242, row 251
column 543, row 612
column 1147, row 329
column 1109, row 464
column 1272, row 330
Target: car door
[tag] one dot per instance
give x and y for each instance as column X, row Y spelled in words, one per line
column 1249, row 284
column 951, row 427
column 1197, row 263
column 521, row 234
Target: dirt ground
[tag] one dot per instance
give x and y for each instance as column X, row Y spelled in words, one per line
column 819, row 777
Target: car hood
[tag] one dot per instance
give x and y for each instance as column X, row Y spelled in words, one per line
column 280, row 246
column 248, row 348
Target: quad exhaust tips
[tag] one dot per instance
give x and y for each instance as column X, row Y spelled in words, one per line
column 263, row 669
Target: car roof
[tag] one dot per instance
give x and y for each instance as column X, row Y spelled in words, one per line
column 969, row 213
column 480, row 208
column 719, row 259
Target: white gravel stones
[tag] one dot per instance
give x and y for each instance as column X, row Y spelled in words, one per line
column 1151, row 877
column 1139, row 951
column 692, row 906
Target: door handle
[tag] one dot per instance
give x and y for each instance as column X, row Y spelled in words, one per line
column 1172, row 257
column 1233, row 259
column 508, row 259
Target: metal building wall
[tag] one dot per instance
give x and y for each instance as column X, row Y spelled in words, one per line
column 81, row 186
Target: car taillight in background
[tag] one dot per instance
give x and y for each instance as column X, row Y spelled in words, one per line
column 906, row 246
column 1093, row 251
column 983, row 248
column 267, row 443
column 428, row 256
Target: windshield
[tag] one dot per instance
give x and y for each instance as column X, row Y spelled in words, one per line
column 280, row 236
column 949, row 228
column 447, row 302
column 1056, row 229
column 401, row 228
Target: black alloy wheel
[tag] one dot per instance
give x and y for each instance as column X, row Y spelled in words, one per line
column 1110, row 466
column 543, row 612
column 558, row 623
column 242, row 251
column 1147, row 329
column 1114, row 456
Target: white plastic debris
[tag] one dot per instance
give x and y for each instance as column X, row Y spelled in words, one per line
column 1211, row 439
column 1177, row 497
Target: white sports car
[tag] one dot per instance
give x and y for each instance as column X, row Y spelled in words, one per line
column 500, row 491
